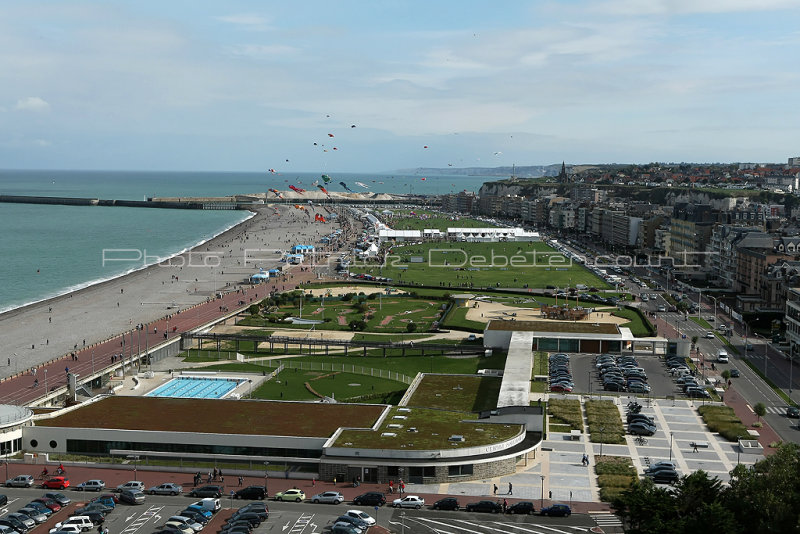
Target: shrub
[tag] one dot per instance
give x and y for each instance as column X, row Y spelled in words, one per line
column 567, row 412
column 604, row 421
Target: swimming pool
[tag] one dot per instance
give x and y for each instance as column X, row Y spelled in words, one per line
column 192, row 387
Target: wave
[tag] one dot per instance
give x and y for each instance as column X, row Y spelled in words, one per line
column 158, row 259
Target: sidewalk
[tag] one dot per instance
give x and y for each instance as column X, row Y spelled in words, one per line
column 744, row 411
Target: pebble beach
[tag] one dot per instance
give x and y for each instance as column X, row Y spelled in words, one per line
column 48, row 330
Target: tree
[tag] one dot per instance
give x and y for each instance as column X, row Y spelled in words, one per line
column 760, row 410
column 645, row 508
column 253, row 309
column 726, row 374
column 694, row 341
column 411, row 327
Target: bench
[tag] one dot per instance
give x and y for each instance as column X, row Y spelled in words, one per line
column 575, row 434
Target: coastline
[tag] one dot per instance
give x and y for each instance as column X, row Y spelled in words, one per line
column 99, row 281
column 51, row 328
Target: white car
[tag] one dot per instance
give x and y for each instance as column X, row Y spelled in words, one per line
column 363, row 516
column 91, row 485
column 166, row 489
column 409, row 501
column 183, row 520
column 131, row 485
column 328, row 497
column 66, row 528
column 21, row 481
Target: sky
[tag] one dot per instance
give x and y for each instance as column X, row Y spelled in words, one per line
column 253, row 85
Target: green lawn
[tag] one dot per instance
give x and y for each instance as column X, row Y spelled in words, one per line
column 387, row 314
column 459, row 393
column 456, row 319
column 604, row 422
column 459, row 265
column 423, row 219
column 290, row 384
column 638, row 324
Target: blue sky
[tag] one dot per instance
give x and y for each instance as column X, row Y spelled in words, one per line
column 248, row 85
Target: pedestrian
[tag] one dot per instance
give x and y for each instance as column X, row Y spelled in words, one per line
column 391, row 486
column 694, row 445
column 494, row 489
column 334, row 481
column 215, row 474
column 36, row 382
column 209, row 477
column 241, row 481
column 313, row 482
column 505, row 505
column 510, row 489
column 402, row 486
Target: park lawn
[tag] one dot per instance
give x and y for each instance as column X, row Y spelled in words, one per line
column 431, row 430
column 636, row 322
column 389, row 314
column 390, row 338
column 456, row 319
column 484, row 265
column 411, row 365
column 459, row 393
column 289, row 384
column 432, row 220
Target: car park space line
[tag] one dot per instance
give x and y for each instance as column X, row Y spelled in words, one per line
column 300, row 525
column 139, row 522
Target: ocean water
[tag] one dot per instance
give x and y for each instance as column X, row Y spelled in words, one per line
column 51, row 250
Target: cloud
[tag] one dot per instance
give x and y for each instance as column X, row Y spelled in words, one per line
column 263, row 51
column 32, row 103
column 250, row 21
column 42, row 142
column 675, row 7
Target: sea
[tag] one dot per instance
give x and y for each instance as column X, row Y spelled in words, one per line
column 50, row 250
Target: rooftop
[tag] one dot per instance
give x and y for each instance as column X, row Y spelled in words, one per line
column 277, row 418
column 564, row 327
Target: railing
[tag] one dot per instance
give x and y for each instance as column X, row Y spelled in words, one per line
column 342, row 368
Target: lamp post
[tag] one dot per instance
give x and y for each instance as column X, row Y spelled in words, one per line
column 715, row 306
column 699, row 303
column 541, row 501
column 671, row 435
column 766, row 348
column 45, row 381
column 266, row 491
column 135, row 458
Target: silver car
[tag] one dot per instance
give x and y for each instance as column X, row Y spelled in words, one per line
column 34, row 514
column 21, row 481
column 166, row 489
column 328, row 497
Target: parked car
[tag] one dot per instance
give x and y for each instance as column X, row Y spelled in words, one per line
column 81, row 521
column 41, row 507
column 292, row 494
column 131, row 485
column 328, row 497
column 663, row 476
column 371, row 498
column 59, row 482
column 409, row 501
column 484, row 506
column 132, row 496
column 448, row 503
column 3, row 499
column 34, row 513
column 22, row 518
column 60, row 498
column 207, row 491
column 250, row 492
column 641, row 428
column 166, row 489
column 356, row 522
column 49, row 503
column 91, row 485
column 344, row 528
column 21, row 481
column 106, row 500
column 557, row 509
column 522, row 507
column 15, row 524
column 179, row 520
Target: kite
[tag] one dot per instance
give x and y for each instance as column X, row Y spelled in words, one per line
column 315, row 182
column 326, row 178
column 426, row 146
column 297, row 189
column 272, row 171
column 300, row 207
column 345, row 186
column 362, row 184
column 323, row 190
column 319, row 218
column 423, row 179
column 330, row 135
column 277, row 193
column 352, row 126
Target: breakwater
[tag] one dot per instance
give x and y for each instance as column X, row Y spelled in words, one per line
column 193, row 204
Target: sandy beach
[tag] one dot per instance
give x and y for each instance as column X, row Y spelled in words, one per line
column 48, row 330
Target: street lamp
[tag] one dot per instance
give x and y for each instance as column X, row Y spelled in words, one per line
column 715, row 306
column 266, row 491
column 671, row 435
column 45, row 381
column 135, row 459
column 766, row 348
column 541, row 501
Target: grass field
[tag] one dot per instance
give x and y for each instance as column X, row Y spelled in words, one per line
column 484, row 265
column 614, row 475
column 290, row 384
column 423, row 219
column 458, row 393
column 384, row 315
column 566, row 412
column 422, row 429
column 604, row 422
column 637, row 324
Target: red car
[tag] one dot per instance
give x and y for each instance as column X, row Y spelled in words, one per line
column 113, row 496
column 56, row 483
column 50, row 503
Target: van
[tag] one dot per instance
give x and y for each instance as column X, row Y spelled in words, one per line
column 722, row 356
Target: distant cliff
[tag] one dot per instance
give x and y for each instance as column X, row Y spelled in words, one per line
column 529, row 171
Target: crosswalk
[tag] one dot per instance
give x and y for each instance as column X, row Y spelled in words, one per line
column 606, row 519
column 778, row 410
column 444, row 525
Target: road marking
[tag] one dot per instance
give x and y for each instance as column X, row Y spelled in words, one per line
column 147, row 515
column 606, row 519
column 300, row 525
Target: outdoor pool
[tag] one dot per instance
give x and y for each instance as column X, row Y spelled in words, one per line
column 196, row 388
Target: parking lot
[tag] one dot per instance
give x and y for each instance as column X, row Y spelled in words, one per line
column 588, row 381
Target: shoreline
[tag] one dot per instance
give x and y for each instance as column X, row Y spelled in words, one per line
column 50, row 329
column 100, row 281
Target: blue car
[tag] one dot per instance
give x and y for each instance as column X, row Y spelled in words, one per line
column 560, row 510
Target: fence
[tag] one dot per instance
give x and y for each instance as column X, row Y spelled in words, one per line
column 342, row 368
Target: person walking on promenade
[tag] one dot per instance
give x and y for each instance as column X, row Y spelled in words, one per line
column 510, row 489
column 494, row 489
column 241, row 481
